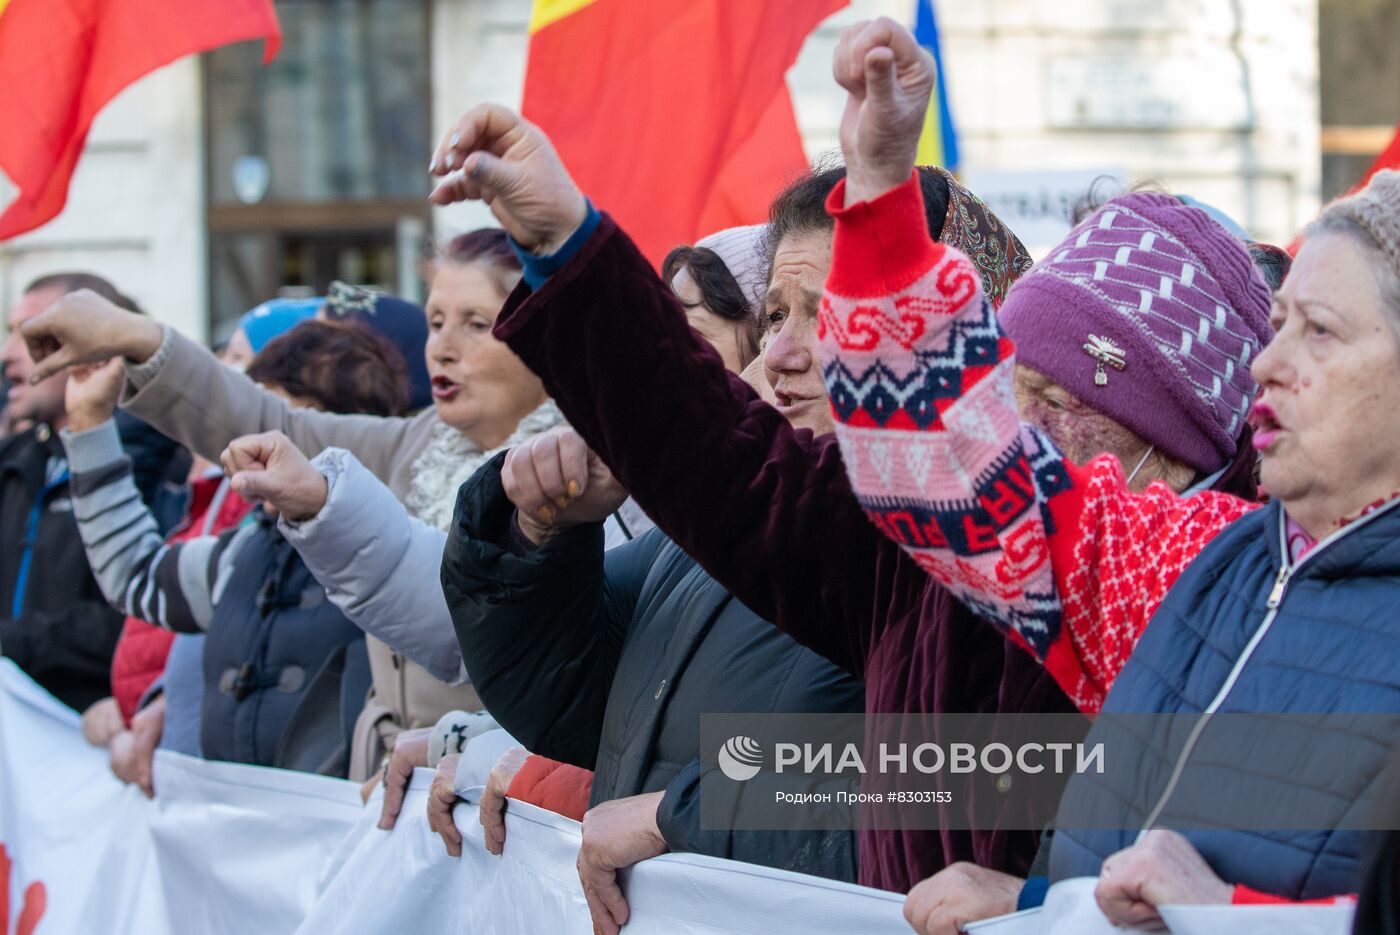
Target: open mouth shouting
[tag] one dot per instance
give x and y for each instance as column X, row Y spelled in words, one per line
column 445, row 388
column 1266, row 425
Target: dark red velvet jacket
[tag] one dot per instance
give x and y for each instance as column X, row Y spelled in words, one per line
column 767, row 510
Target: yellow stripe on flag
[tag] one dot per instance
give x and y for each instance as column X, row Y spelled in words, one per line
column 3, row 4
column 931, row 140
column 544, row 12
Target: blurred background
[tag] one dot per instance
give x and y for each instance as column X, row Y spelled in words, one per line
column 215, row 183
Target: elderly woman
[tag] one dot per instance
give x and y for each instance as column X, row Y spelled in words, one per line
column 1291, row 607
column 374, row 570
column 607, row 662
column 763, row 506
column 782, row 496
column 484, row 400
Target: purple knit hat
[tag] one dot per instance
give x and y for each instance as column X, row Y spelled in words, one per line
column 1151, row 313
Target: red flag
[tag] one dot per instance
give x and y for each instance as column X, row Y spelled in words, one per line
column 673, row 115
column 1388, row 159
column 61, row 61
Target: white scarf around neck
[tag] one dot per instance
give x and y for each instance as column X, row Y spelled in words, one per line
column 450, row 458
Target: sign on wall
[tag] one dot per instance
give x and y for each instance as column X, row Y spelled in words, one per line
column 1038, row 205
column 1111, row 92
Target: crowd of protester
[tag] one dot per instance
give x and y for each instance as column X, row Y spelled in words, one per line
column 864, row 458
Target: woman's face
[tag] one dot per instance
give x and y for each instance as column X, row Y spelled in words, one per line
column 479, row 386
column 790, row 354
column 729, row 338
column 1327, row 421
column 1082, row 433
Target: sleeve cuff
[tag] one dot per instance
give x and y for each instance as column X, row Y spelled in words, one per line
column 1244, row 896
column 1033, row 893
column 138, row 375
column 517, row 543
column 333, row 464
column 93, row 449
column 538, row 268
column 880, row 246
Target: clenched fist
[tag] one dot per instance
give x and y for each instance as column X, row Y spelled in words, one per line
column 270, row 468
column 509, row 163
column 888, row 79
column 1163, row 869
column 555, row 481
column 957, row 895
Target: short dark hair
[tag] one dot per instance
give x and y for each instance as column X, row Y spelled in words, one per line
column 340, row 366
column 72, row 282
column 801, row 207
column 487, row 246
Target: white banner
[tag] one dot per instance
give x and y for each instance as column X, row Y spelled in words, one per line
column 231, row 848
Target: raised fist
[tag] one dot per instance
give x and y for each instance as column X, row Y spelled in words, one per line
column 270, row 468
column 888, row 79
column 555, row 481
column 509, row 163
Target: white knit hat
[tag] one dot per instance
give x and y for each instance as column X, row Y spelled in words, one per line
column 741, row 249
column 1377, row 209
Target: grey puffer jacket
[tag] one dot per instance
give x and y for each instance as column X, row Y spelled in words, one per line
column 373, row 558
column 607, row 661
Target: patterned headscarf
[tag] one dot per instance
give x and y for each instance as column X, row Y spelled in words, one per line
column 972, row 228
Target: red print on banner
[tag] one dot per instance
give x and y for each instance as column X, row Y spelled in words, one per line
column 31, row 910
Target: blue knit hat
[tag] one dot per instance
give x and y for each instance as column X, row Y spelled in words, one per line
column 276, row 317
column 402, row 322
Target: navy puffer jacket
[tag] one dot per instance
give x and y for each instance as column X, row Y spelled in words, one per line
column 1243, row 630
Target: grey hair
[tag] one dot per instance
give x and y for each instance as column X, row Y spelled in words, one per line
column 1385, row 274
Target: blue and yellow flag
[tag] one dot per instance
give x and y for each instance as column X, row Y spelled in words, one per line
column 938, row 146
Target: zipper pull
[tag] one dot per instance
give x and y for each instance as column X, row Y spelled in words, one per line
column 1281, row 582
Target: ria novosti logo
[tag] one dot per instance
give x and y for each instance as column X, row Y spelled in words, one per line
column 741, row 758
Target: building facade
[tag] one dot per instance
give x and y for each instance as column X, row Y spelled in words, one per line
column 213, row 183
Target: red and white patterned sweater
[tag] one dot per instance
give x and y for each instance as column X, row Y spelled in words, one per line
column 1069, row 561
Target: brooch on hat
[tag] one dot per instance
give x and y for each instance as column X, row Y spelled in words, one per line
column 1107, row 354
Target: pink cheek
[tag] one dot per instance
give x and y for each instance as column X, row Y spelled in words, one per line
column 1306, row 382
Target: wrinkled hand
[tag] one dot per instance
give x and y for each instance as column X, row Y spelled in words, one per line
column 84, row 328
column 102, row 721
column 270, row 468
column 131, row 752
column 91, row 394
column 959, row 894
column 492, row 807
column 510, row 164
column 888, row 79
column 442, row 798
column 410, row 751
column 555, row 481
column 1163, row 869
column 616, row 835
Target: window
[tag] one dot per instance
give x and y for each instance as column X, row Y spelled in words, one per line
column 1359, row 50
column 317, row 164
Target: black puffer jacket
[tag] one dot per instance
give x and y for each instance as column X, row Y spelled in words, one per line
column 54, row 622
column 608, row 661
